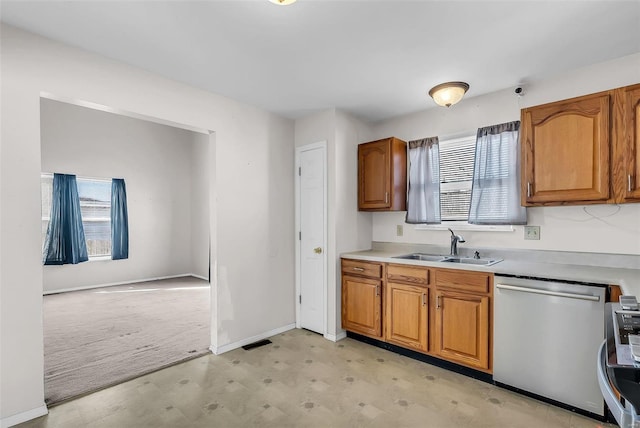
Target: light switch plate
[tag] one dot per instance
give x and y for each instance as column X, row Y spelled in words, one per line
column 399, row 230
column 532, row 232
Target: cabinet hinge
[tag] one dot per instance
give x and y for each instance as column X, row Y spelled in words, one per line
column 300, row 170
column 299, row 236
column 300, row 298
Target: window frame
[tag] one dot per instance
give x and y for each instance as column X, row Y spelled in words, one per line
column 461, row 224
column 96, row 257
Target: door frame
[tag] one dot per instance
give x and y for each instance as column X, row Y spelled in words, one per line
column 313, row 146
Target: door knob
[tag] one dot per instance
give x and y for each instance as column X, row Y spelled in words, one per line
column 317, row 250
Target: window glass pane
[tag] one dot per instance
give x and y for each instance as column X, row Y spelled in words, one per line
column 455, row 205
column 456, row 175
column 95, row 206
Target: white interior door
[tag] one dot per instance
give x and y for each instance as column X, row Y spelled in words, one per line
column 312, row 237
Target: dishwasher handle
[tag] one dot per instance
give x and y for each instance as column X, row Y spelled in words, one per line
column 548, row 292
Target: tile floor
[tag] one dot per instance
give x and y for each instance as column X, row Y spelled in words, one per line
column 303, row 380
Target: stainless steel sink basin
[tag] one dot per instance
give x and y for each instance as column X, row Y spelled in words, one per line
column 448, row 259
column 472, row 261
column 423, row 257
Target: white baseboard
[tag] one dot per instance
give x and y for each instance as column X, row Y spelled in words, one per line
column 336, row 337
column 133, row 281
column 24, row 416
column 231, row 346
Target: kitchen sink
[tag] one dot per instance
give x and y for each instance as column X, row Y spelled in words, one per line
column 448, row 259
column 472, row 261
column 423, row 257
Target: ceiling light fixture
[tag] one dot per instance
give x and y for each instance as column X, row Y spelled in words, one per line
column 448, row 94
column 282, row 2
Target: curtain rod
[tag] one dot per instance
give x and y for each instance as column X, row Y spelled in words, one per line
column 86, row 177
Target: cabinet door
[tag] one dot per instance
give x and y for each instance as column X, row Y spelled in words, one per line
column 374, row 175
column 565, row 151
column 630, row 142
column 462, row 328
column 362, row 305
column 406, row 315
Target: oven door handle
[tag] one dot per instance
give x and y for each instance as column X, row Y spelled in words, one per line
column 548, row 292
column 623, row 416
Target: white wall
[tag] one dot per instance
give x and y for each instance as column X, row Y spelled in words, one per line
column 251, row 190
column 158, row 163
column 200, row 206
column 353, row 228
column 596, row 228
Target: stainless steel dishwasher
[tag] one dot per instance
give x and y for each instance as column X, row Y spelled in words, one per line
column 546, row 334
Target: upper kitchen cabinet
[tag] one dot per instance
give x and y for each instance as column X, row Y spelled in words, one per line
column 627, row 143
column 382, row 175
column 583, row 150
column 565, row 151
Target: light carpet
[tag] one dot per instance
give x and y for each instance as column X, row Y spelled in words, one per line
column 100, row 337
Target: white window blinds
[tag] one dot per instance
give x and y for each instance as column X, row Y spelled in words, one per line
column 456, row 174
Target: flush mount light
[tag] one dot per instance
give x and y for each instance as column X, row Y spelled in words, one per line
column 448, row 94
column 283, row 2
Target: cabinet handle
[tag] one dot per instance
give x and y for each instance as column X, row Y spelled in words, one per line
column 629, row 183
column 437, row 302
column 358, row 269
column 377, row 290
column 528, row 189
column 424, row 299
column 386, row 197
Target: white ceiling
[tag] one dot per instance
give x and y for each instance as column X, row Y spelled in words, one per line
column 373, row 59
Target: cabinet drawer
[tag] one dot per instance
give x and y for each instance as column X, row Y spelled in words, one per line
column 409, row 274
column 477, row 282
column 358, row 267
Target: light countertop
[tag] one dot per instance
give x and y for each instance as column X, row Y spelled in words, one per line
column 628, row 278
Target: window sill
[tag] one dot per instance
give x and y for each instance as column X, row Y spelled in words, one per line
column 463, row 225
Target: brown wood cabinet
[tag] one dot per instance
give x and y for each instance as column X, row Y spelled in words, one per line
column 382, row 175
column 583, row 150
column 407, row 306
column 627, row 143
column 362, row 290
column 445, row 313
column 565, row 151
column 461, row 328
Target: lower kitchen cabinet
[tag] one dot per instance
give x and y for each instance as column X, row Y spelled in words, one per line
column 362, row 305
column 407, row 308
column 461, row 328
column 444, row 313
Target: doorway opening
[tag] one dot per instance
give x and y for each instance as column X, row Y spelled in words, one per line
column 106, row 320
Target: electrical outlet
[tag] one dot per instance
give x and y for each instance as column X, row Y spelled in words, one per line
column 532, row 232
column 399, row 230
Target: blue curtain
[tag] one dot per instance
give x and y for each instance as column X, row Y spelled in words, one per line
column 65, row 242
column 495, row 195
column 423, row 196
column 119, row 220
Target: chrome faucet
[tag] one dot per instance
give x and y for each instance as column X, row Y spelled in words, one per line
column 454, row 243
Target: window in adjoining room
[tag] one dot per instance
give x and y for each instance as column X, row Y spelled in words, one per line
column 95, row 207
